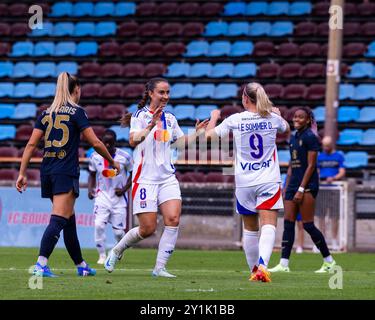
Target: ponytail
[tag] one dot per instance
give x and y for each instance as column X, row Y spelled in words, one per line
column 64, row 89
column 255, row 92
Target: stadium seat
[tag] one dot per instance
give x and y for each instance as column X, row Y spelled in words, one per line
column 128, row 29
column 238, row 28
column 288, row 50
column 8, row 152
column 44, row 48
column 222, row 70
column 104, row 9
column 174, row 49
column 148, row 29
column 124, row 9
column 23, row 132
column 321, row 8
column 284, row 156
column 113, row 111
column 122, row 133
column 8, row 175
column 309, row 49
column 274, row 91
column 211, row 9
column 219, row 48
column 7, row 132
column 24, row 89
column 70, row 67
column 313, row 70
column 24, row 111
column 4, row 9
column 90, row 69
column 361, row 70
column 151, row 49
column 203, row 111
column 350, row 137
column 192, row 29
column 21, row 49
column 281, row 29
column 61, row 9
column 260, row 29
column 44, row 90
column 268, row 70
column 181, row 90
column 193, row 177
column 171, row 29
column 23, row 69
column 225, row 91
column 4, row 48
column 366, row 114
column 241, row 48
column 264, row 48
column 18, row 9
column 146, row 8
column 295, row 91
column 89, row 90
column 184, row 112
column 364, row 92
column 305, row 28
column 319, row 113
column 256, row 8
column 278, row 8
column 352, row 28
column 133, row 70
column 6, row 110
column 228, row 110
column 178, row 69
column 200, row 69
column 346, row 91
column 86, row 48
column 6, row 69
column 81, row 9
column 19, row 29
column 111, row 90
column 6, row 89
column 347, row 113
column 370, row 50
column 65, row 49
column 112, row 69
column 63, row 29
column 244, row 69
column 203, row 91
column 291, row 70
column 188, row 9
column 322, row 29
column 316, row 92
column 366, row 9
column 299, row 8
column 109, row 49
column 354, row 49
column 44, row 70
column 84, row 29
column 216, row 28
column 196, row 49
column 130, row 49
column 154, row 69
column 234, row 9
column 368, row 138
column 356, row 159
column 94, row 111
column 134, row 90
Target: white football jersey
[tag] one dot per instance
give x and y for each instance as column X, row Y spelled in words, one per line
column 105, row 187
column 153, row 158
column 256, row 160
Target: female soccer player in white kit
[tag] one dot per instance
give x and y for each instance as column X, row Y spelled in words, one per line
column 153, row 132
column 257, row 172
column 109, row 192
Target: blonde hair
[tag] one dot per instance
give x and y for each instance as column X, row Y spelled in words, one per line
column 255, row 92
column 64, row 89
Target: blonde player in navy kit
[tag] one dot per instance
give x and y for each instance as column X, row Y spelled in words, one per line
column 257, row 172
column 61, row 126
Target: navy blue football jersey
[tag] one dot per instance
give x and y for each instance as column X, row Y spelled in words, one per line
column 61, row 140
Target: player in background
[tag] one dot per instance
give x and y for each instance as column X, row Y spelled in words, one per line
column 301, row 190
column 109, row 192
column 61, row 126
column 257, row 173
column 153, row 133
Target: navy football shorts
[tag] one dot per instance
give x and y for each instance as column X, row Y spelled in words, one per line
column 53, row 184
column 289, row 194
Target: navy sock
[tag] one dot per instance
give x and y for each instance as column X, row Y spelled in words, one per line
column 288, row 238
column 71, row 240
column 317, row 237
column 51, row 235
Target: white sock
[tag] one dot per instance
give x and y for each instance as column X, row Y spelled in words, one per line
column 83, row 264
column 130, row 239
column 119, row 234
column 266, row 242
column 42, row 261
column 166, row 246
column 328, row 259
column 251, row 247
column 100, row 238
column 284, row 262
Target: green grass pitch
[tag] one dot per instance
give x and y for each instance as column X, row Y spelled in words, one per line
column 200, row 275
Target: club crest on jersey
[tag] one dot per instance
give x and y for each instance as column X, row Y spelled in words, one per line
column 143, row 204
column 61, row 154
column 169, row 123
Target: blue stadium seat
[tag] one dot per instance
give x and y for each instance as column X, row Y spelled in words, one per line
column 370, row 50
column 24, row 89
column 83, row 29
column 24, row 111
column 44, row 48
column 203, row 111
column 6, row 69
column 347, row 113
column 350, row 137
column 366, row 114
column 82, row 9
column 61, row 9
column 239, row 28
column 125, row 9
column 368, row 138
column 241, row 48
column 361, row 70
column 300, row 8
column 86, row 48
column 278, row 8
column 65, row 49
column 46, row 30
column 62, row 29
column 6, row 110
column 203, row 90
column 181, row 90
column 133, row 108
column 319, row 113
column 44, row 70
column 356, row 159
column 197, row 48
column 169, row 108
column 104, row 9
column 284, row 156
column 216, row 28
column 244, row 69
column 222, row 70
column 122, row 133
column 281, row 28
column 256, row 8
column 7, row 132
column 260, row 29
column 23, row 69
column 200, row 69
column 21, row 49
column 70, row 67
column 234, row 9
column 44, row 90
column 219, row 48
column 103, row 29
column 346, row 91
column 83, row 176
column 178, row 69
column 184, row 111
column 364, row 92
column 6, row 89
column 225, row 91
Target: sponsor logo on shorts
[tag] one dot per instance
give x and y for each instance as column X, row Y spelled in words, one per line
column 266, row 194
column 143, row 204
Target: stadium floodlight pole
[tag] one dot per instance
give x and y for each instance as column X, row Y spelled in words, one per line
column 336, row 22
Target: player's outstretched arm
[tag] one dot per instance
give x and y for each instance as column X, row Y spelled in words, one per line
column 21, row 182
column 210, row 130
column 200, row 128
